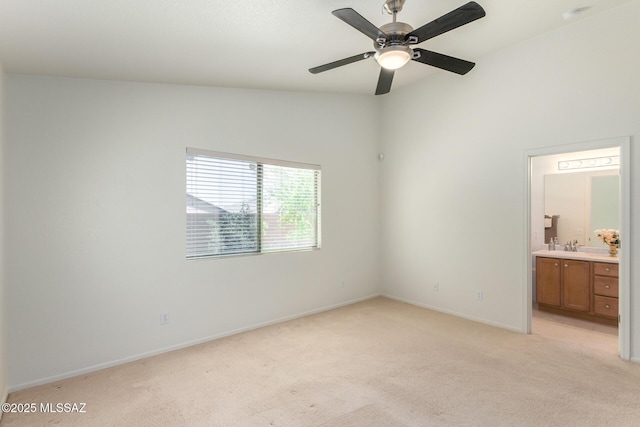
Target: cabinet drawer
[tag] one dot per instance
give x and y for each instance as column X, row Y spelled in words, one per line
column 607, row 286
column 605, row 269
column 606, row 306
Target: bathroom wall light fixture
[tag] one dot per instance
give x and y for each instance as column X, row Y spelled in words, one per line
column 596, row 162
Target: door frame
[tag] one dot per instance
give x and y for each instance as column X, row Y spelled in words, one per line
column 624, row 143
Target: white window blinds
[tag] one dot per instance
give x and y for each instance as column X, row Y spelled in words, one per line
column 239, row 205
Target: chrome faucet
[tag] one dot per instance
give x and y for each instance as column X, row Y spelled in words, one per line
column 571, row 246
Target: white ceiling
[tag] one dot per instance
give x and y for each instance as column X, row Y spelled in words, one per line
column 265, row 44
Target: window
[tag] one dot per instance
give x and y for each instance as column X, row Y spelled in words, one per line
column 241, row 205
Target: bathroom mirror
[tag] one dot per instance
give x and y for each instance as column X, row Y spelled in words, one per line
column 583, row 202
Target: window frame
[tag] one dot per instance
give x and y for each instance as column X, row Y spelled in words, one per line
column 260, row 162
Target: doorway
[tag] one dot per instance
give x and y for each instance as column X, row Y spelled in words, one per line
column 549, row 161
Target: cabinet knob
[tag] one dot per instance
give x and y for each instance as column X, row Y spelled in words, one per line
column 607, row 306
column 556, row 264
column 607, row 269
column 566, row 265
column 607, row 287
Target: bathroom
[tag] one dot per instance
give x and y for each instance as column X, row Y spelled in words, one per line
column 572, row 195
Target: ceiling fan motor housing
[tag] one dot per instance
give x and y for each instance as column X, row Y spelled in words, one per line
column 394, row 47
column 397, row 31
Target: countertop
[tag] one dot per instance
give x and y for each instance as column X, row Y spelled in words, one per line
column 584, row 256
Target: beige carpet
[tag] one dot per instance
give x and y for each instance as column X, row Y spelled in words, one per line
column 376, row 363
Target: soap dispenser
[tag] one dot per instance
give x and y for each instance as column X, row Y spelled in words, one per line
column 552, row 244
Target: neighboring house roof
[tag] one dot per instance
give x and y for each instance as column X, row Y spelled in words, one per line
column 199, row 206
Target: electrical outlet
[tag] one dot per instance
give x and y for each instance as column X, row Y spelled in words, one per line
column 164, row 318
column 436, row 287
column 479, row 295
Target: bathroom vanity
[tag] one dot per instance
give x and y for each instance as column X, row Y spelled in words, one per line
column 577, row 284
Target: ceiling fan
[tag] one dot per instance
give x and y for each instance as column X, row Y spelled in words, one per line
column 391, row 41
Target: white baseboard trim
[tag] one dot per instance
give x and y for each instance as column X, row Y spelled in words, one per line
column 100, row 366
column 453, row 313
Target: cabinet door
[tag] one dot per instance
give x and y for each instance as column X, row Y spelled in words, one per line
column 575, row 285
column 548, row 281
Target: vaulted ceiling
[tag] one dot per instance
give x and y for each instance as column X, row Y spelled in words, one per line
column 265, row 44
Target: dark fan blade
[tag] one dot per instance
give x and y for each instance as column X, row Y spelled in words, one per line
column 454, row 19
column 384, row 81
column 449, row 63
column 340, row 63
column 358, row 22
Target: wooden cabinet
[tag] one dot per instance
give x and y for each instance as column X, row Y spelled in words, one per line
column 576, row 293
column 605, row 289
column 548, row 281
column 583, row 289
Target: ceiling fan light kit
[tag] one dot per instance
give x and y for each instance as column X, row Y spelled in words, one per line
column 393, row 57
column 392, row 41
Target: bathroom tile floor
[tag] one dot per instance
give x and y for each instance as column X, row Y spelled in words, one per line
column 581, row 332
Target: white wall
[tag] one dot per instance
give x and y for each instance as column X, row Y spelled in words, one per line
column 97, row 219
column 3, row 327
column 454, row 169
